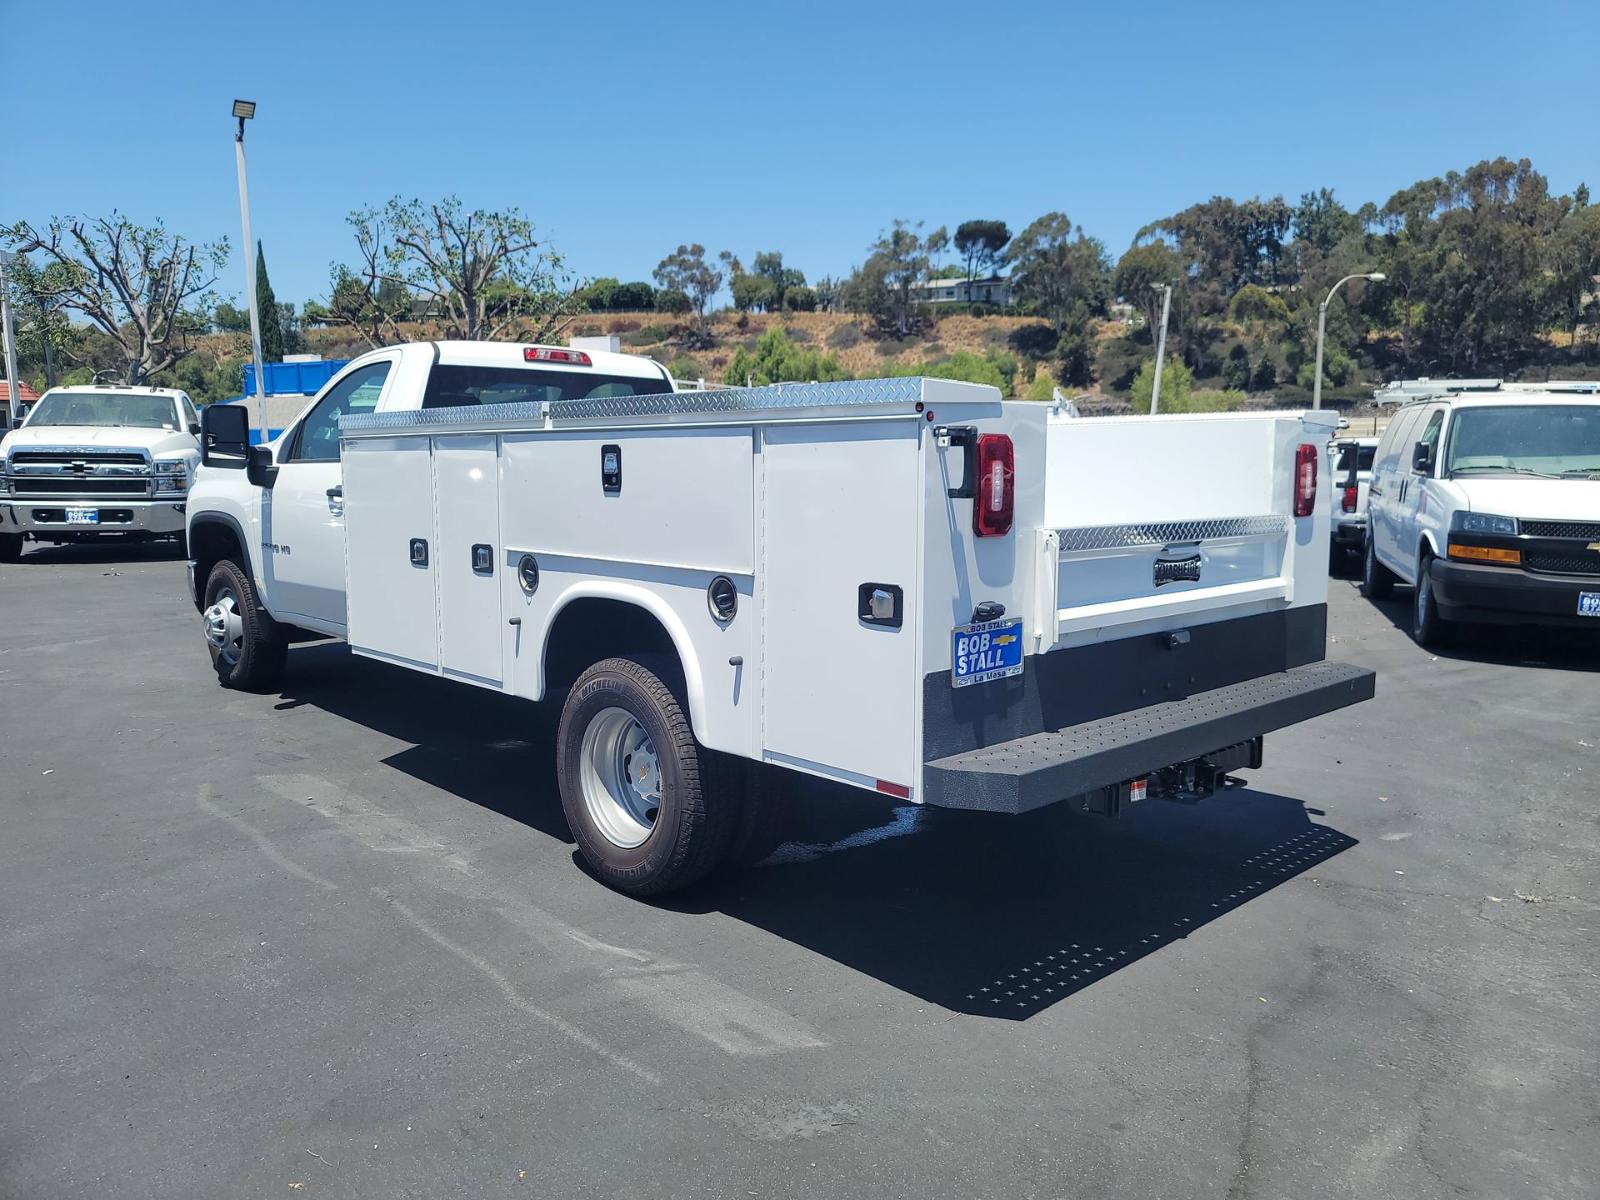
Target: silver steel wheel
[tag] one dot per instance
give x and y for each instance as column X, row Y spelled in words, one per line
column 224, row 627
column 621, row 778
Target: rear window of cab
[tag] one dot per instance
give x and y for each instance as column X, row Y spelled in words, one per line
column 454, row 386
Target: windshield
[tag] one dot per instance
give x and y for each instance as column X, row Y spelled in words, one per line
column 457, row 386
column 105, row 408
column 1554, row 440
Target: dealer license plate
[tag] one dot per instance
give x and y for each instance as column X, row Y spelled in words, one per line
column 83, row 516
column 991, row 650
column 1589, row 604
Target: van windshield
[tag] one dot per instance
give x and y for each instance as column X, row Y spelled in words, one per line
column 105, row 408
column 1559, row 441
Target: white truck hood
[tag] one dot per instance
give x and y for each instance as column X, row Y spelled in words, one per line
column 160, row 442
column 1540, row 499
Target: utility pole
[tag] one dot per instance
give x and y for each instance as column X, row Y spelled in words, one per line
column 1161, row 345
column 1322, row 328
column 13, row 388
column 245, row 110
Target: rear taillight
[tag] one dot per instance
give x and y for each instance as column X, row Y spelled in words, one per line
column 1348, row 504
column 1305, row 480
column 555, row 354
column 997, row 486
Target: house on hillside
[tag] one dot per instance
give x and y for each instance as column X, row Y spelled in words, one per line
column 25, row 395
column 993, row 290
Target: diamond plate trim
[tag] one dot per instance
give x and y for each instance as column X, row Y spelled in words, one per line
column 475, row 414
column 780, row 397
column 1168, row 533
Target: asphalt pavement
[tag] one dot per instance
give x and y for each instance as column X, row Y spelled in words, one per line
column 334, row 942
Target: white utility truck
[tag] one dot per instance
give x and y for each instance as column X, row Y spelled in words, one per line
column 98, row 461
column 904, row 585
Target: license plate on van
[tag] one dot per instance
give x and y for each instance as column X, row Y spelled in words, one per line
column 83, row 516
column 1589, row 604
column 991, row 650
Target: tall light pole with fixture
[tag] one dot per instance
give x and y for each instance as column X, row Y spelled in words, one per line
column 1161, row 344
column 1322, row 328
column 13, row 389
column 245, row 110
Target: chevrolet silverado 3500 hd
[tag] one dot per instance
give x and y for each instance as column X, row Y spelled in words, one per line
column 96, row 462
column 905, row 585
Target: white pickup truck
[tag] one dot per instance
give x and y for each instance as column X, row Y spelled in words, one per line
column 903, row 585
column 96, row 462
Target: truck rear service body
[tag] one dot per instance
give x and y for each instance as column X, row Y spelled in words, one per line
column 904, row 585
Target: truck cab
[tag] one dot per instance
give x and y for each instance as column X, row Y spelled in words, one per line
column 285, row 516
column 98, row 462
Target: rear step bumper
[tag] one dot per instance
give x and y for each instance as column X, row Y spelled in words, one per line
column 1042, row 768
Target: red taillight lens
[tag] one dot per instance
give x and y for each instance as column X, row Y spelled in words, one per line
column 1305, row 480
column 997, row 486
column 1349, row 502
column 553, row 354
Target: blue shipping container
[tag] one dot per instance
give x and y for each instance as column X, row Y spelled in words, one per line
column 304, row 378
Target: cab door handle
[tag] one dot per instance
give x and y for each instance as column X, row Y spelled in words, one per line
column 336, row 500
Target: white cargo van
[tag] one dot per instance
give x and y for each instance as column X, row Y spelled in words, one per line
column 1488, row 503
column 904, row 585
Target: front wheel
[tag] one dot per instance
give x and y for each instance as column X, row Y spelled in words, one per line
column 1377, row 581
column 1428, row 628
column 10, row 547
column 248, row 648
column 635, row 786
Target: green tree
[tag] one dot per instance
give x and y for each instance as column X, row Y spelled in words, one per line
column 229, row 318
column 1177, row 381
column 1056, row 266
column 267, row 305
column 637, row 296
column 1236, row 368
column 752, row 292
column 685, row 270
column 776, row 359
column 1139, row 275
column 982, row 247
column 800, row 299
column 150, row 292
column 1321, row 222
column 482, row 274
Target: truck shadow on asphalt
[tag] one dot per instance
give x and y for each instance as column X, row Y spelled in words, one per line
column 112, row 552
column 1560, row 648
column 1006, row 916
column 982, row 914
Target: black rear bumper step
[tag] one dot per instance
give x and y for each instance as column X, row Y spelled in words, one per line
column 1042, row 768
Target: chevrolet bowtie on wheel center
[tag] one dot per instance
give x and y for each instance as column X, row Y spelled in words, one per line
column 903, row 585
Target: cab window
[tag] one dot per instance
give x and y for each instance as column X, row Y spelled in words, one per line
column 317, row 439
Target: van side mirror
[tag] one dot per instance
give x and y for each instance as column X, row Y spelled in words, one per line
column 194, row 428
column 1422, row 458
column 224, row 435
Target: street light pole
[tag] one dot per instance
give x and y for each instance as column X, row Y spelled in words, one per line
column 1161, row 345
column 13, row 388
column 1322, row 328
column 245, row 110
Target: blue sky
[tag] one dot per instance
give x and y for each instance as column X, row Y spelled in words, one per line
column 624, row 129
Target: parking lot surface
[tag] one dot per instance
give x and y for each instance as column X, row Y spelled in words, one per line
column 333, row 942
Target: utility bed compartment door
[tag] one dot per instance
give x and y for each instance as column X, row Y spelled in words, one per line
column 467, row 474
column 839, row 510
column 388, row 495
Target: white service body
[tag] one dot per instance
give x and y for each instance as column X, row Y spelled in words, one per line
column 809, row 498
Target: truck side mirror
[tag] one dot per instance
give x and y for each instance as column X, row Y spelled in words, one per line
column 1422, row 458
column 225, row 436
column 260, row 470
